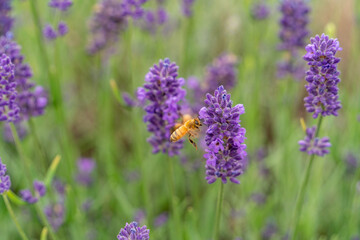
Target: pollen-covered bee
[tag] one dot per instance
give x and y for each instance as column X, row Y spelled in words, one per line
column 190, row 126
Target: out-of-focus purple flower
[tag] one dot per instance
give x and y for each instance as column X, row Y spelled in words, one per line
column 259, row 198
column 9, row 109
column 59, row 187
column 86, row 205
column 108, row 21
column 133, row 8
column 40, row 188
column 6, row 21
column 5, row 182
column 62, row 28
column 128, row 100
column 293, row 24
column 28, row 197
column 62, row 5
column 49, row 32
column 33, row 102
column 85, row 168
column 152, row 19
column 225, row 152
column 322, row 77
column 355, row 238
column 260, row 11
column 20, row 129
column 269, row 231
column 161, row 219
column 55, row 213
column 162, row 93
column 292, row 35
column 132, row 231
column 352, row 163
column 187, row 7
column 40, row 191
column 314, row 145
column 139, row 216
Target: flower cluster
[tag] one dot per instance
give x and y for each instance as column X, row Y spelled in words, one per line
column 322, row 77
column 6, row 21
column 260, row 11
column 314, row 145
column 292, row 35
column 152, row 19
column 31, row 99
column 55, row 212
column 85, row 168
column 161, row 96
column 225, row 152
column 5, row 182
column 62, row 5
column 110, row 19
column 62, row 29
column 9, row 109
column 221, row 72
column 187, row 7
column 40, row 191
column 133, row 232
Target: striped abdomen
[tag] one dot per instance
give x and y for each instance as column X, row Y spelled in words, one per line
column 179, row 133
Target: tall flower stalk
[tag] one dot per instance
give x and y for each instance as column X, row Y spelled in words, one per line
column 322, row 79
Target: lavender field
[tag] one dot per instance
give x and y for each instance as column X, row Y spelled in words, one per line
column 180, row 120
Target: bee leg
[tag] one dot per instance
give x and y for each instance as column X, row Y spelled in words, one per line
column 192, row 141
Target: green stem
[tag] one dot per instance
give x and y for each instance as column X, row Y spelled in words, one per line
column 37, row 142
column 45, row 221
column 173, row 198
column 218, row 211
column 301, row 194
column 13, row 217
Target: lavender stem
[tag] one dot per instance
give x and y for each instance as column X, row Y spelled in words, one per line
column 300, row 196
column 218, row 211
column 12, row 215
column 173, row 198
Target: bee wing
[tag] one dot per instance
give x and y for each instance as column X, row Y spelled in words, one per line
column 194, row 132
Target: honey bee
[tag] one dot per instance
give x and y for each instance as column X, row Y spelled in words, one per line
column 190, row 126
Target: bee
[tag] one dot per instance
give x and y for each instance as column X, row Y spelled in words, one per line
column 190, row 126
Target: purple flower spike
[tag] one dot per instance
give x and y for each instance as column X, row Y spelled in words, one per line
column 225, row 152
column 9, row 109
column 40, row 188
column 314, row 145
column 133, row 232
column 27, row 196
column 85, row 168
column 323, row 76
column 161, row 95
column 5, row 182
column 260, row 11
column 62, row 5
column 187, row 7
column 62, row 28
column 6, row 21
column 49, row 32
column 133, row 8
column 55, row 213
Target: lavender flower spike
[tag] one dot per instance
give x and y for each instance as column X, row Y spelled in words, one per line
column 161, row 95
column 49, row 32
column 225, row 152
column 5, row 182
column 62, row 5
column 322, row 77
column 133, row 232
column 6, row 21
column 9, row 110
column 314, row 145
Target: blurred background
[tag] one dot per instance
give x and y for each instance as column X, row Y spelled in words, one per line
column 128, row 181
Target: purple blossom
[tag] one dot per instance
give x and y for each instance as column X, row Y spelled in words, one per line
column 161, row 95
column 225, row 152
column 139, row 216
column 187, row 7
column 6, row 21
column 28, row 197
column 85, row 168
column 40, row 188
column 292, row 35
column 133, row 8
column 49, row 32
column 153, row 19
column 62, row 28
column 322, row 77
column 161, row 219
column 9, row 109
column 55, row 213
column 108, row 22
column 314, row 145
column 128, row 100
column 33, row 102
column 260, row 11
column 62, row 5
column 5, row 182
column 269, row 231
column 352, row 163
column 133, row 232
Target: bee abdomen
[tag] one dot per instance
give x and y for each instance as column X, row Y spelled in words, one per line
column 178, row 134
